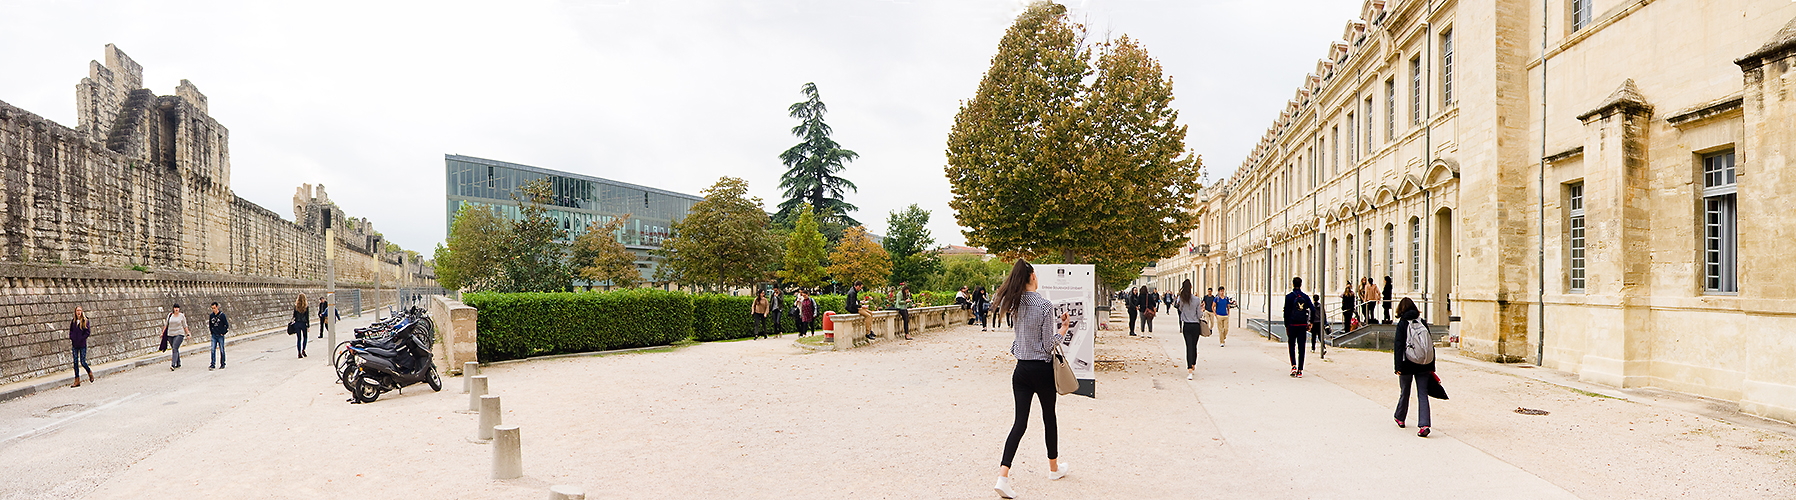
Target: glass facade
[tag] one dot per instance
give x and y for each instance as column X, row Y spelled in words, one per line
column 578, row 201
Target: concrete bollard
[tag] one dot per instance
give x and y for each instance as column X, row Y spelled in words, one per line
column 566, row 492
column 508, row 453
column 489, row 417
column 468, row 371
column 474, row 393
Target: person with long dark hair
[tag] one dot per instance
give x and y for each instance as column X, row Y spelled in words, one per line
column 79, row 330
column 981, row 305
column 1191, row 318
column 1133, row 304
column 759, row 310
column 1150, row 307
column 1034, row 374
column 302, row 321
column 1387, row 300
column 1409, row 373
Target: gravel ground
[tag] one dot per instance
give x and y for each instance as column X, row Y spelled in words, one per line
column 917, row 419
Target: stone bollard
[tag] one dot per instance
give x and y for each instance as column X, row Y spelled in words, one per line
column 468, row 371
column 476, row 392
column 508, row 453
column 566, row 492
column 489, row 417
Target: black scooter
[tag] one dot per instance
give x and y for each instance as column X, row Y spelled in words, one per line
column 378, row 369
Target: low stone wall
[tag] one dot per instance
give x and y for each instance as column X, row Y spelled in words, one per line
column 886, row 324
column 457, row 333
column 127, row 310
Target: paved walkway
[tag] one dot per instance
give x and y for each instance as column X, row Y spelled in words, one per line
column 905, row 419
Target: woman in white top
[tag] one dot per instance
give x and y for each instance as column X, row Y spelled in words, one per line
column 177, row 333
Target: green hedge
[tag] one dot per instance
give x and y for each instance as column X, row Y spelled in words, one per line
column 522, row 325
column 722, row 317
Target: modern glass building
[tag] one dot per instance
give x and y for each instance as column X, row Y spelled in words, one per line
column 579, row 200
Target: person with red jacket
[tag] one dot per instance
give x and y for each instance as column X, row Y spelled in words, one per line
column 807, row 314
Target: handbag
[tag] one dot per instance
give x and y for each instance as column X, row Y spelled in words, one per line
column 1064, row 381
column 292, row 327
column 1434, row 389
column 1203, row 328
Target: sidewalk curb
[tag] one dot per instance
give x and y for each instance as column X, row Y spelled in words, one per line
column 578, row 355
column 21, row 389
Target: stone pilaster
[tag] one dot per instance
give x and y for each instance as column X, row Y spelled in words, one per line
column 1767, row 176
column 1618, row 248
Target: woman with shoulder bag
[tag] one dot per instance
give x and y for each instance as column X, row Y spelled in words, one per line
column 1409, row 373
column 1036, row 337
column 1191, row 317
column 302, row 322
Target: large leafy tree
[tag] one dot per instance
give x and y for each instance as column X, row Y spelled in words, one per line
column 475, row 248
column 859, row 259
column 804, row 265
column 912, row 249
column 600, row 258
column 1043, row 164
column 536, row 253
column 723, row 242
column 813, row 165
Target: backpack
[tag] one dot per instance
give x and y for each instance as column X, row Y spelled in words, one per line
column 1418, row 344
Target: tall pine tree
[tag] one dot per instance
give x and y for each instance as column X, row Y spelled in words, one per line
column 812, row 167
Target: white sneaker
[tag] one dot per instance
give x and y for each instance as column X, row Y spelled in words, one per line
column 1004, row 489
column 1187, row 376
column 1057, row 474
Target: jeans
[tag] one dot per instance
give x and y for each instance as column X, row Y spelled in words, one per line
column 1032, row 379
column 760, row 323
column 904, row 314
column 1294, row 341
column 174, row 344
column 81, row 362
column 1420, row 381
column 776, row 324
column 1147, row 322
column 979, row 312
column 302, row 341
column 218, row 356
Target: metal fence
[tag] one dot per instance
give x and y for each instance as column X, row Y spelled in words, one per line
column 409, row 297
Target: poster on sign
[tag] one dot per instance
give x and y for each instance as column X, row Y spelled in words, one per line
column 1073, row 290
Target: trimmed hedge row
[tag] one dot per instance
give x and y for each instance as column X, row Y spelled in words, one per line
column 522, row 325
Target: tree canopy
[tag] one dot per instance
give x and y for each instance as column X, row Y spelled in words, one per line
column 813, row 165
column 911, row 247
column 724, row 241
column 804, row 265
column 600, row 258
column 1042, row 163
column 536, row 255
column 858, row 259
column 470, row 258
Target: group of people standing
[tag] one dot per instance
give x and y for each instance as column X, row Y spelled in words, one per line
column 1366, row 290
column 770, row 306
column 175, row 330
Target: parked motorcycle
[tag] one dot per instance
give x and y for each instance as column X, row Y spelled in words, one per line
column 378, row 367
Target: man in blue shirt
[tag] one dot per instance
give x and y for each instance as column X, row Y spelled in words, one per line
column 1298, row 310
column 1219, row 312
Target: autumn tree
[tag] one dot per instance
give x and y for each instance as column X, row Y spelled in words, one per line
column 814, row 164
column 912, row 249
column 471, row 257
column 724, row 240
column 1042, row 163
column 859, row 259
column 599, row 257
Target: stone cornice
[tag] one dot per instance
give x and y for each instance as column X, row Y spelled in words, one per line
column 1565, row 155
column 1626, row 99
column 1707, row 110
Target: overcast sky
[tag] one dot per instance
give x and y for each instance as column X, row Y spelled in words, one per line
column 367, row 97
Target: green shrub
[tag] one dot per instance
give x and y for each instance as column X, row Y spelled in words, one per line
column 722, row 317
column 522, row 325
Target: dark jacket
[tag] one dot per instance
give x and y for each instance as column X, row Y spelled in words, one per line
column 1403, row 365
column 303, row 318
column 218, row 323
column 78, row 334
column 853, row 302
column 774, row 305
column 1298, row 308
column 1153, row 301
column 1387, row 293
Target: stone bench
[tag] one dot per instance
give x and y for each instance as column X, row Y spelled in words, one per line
column 851, row 329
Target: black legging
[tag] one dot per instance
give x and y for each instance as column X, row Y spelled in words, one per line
column 1132, row 314
column 1294, row 341
column 1191, row 336
column 1032, row 379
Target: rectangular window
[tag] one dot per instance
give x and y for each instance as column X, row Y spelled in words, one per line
column 1446, row 69
column 1390, row 109
column 1369, row 124
column 1720, row 228
column 1575, row 235
column 1415, row 90
column 1390, row 250
column 1352, row 139
column 1334, row 136
column 1415, row 254
column 1580, row 11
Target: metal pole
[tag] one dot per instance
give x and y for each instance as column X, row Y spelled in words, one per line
column 1540, row 348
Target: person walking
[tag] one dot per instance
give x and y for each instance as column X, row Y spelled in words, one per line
column 759, row 309
column 807, row 313
column 778, row 310
column 1034, row 375
column 903, row 303
column 1298, row 309
column 982, row 304
column 1191, row 319
column 218, row 325
column 324, row 308
column 1133, row 304
column 302, row 322
column 79, row 330
column 1409, row 373
column 1347, row 301
column 176, row 331
column 1149, row 309
column 1387, row 300
column 1221, row 318
column 1167, row 300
